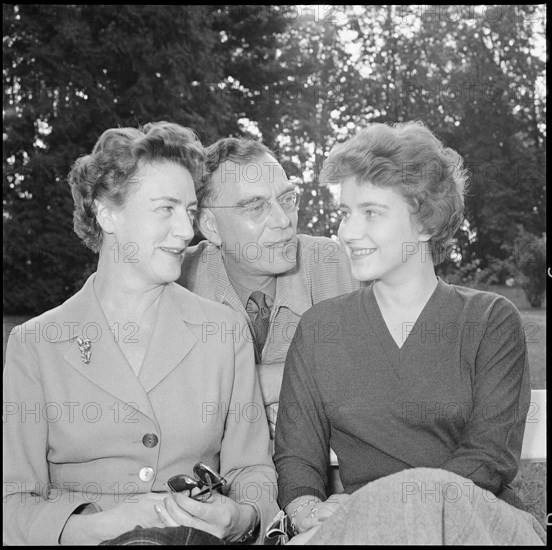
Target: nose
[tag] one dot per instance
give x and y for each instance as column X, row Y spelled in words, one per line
column 183, row 226
column 350, row 230
column 278, row 218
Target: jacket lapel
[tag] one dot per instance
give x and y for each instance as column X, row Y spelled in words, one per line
column 172, row 338
column 82, row 316
column 293, row 289
column 224, row 292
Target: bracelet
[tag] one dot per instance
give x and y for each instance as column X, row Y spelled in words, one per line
column 252, row 533
column 302, row 505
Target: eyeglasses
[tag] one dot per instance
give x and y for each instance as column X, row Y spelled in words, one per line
column 205, row 478
column 260, row 209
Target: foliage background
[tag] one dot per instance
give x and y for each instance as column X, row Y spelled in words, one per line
column 299, row 77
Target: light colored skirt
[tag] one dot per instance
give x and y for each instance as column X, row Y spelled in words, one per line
column 428, row 506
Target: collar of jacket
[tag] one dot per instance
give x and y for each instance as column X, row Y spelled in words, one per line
column 292, row 288
column 172, row 339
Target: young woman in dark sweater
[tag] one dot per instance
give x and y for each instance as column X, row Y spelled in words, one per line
column 419, row 386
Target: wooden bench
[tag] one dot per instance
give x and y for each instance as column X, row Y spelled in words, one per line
column 534, row 438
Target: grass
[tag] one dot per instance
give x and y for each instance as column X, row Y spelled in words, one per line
column 530, row 482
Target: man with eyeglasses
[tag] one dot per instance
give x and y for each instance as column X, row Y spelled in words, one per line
column 253, row 259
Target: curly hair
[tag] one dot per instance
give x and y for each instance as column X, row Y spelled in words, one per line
column 409, row 158
column 108, row 172
column 238, row 150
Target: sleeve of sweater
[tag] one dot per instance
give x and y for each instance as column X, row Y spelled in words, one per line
column 302, row 429
column 490, row 448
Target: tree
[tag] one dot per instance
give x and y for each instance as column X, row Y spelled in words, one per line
column 472, row 75
column 71, row 72
column 299, row 77
column 313, row 84
column 530, row 260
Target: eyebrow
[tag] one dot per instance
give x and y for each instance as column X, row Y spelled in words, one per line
column 288, row 189
column 173, row 200
column 250, row 200
column 367, row 205
column 378, row 204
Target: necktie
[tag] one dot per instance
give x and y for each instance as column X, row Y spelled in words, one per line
column 260, row 318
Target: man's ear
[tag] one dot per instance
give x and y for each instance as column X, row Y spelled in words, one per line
column 104, row 216
column 209, row 227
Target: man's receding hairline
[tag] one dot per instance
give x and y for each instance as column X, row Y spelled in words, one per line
column 240, row 162
column 215, row 188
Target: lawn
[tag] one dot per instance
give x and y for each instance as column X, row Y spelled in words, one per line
column 530, row 482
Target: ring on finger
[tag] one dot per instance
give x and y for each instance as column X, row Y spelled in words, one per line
column 313, row 512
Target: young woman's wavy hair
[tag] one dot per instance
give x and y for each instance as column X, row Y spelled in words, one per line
column 410, row 159
column 108, row 172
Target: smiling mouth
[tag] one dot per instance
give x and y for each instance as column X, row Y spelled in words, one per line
column 362, row 251
column 173, row 251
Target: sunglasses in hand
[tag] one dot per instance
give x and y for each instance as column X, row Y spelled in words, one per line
column 205, row 479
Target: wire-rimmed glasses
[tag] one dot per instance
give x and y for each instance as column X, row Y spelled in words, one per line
column 259, row 210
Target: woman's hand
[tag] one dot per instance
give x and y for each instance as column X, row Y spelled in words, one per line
column 92, row 528
column 317, row 512
column 302, row 538
column 219, row 515
column 138, row 509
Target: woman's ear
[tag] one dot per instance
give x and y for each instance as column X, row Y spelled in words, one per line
column 423, row 237
column 104, row 216
column 207, row 222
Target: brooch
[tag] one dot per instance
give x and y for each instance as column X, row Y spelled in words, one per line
column 85, row 347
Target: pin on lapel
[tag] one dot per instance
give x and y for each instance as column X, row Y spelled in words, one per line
column 85, row 347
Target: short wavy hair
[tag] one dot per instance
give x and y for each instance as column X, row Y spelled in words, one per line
column 108, row 172
column 238, row 150
column 409, row 158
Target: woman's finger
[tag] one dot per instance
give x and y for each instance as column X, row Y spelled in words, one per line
column 323, row 512
column 309, row 523
column 184, row 517
column 194, row 508
column 302, row 538
column 178, row 513
column 164, row 516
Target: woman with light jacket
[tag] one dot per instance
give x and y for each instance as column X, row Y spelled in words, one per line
column 121, row 387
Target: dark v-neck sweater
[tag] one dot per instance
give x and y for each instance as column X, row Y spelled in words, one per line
column 455, row 395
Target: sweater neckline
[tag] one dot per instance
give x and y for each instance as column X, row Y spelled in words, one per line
column 373, row 315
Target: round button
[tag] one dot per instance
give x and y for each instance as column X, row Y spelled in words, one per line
column 146, row 473
column 150, row 440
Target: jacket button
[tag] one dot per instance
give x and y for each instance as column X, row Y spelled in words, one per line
column 146, row 473
column 150, row 440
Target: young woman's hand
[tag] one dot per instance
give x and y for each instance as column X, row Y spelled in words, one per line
column 315, row 514
column 302, row 538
